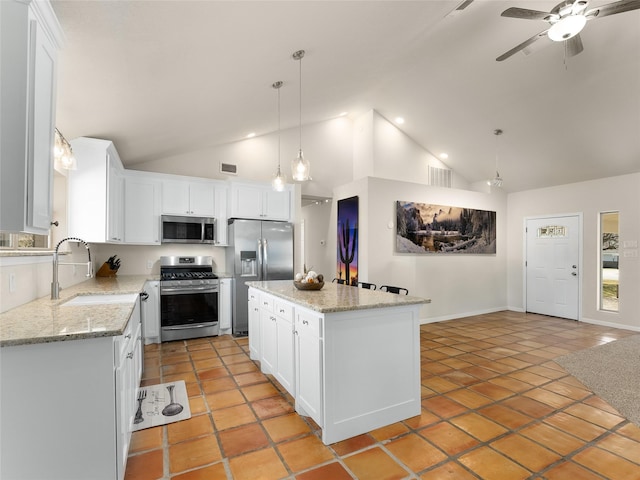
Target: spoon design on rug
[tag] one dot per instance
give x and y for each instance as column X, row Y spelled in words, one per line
column 173, row 408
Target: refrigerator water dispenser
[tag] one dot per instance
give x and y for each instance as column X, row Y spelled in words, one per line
column 249, row 266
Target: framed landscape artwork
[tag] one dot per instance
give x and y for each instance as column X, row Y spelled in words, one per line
column 347, row 268
column 425, row 228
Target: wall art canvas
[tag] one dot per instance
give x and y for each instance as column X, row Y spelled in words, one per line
column 347, row 268
column 425, row 228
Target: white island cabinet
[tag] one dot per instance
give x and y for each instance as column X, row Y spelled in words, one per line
column 349, row 356
column 68, row 406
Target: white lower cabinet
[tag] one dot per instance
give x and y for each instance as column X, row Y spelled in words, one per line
column 151, row 312
column 225, row 310
column 254, row 325
column 276, row 339
column 68, row 406
column 308, row 356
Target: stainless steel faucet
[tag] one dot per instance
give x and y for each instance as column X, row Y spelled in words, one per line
column 55, row 286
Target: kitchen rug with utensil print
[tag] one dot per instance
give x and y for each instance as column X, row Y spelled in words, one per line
column 161, row 404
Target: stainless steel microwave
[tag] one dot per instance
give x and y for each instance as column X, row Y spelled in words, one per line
column 182, row 229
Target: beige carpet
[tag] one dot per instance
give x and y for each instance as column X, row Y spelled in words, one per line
column 611, row 371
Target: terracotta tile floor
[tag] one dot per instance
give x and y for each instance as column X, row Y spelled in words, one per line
column 495, row 406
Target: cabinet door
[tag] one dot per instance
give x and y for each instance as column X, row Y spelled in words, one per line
column 285, row 364
column 175, row 198
column 225, row 303
column 141, row 212
column 222, row 193
column 254, row 326
column 115, row 204
column 277, row 205
column 309, row 364
column 269, row 340
column 202, row 199
column 151, row 313
column 40, row 129
column 246, row 201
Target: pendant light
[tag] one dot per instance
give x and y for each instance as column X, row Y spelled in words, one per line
column 300, row 167
column 497, row 180
column 279, row 180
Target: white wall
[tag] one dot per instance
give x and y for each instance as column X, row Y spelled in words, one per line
column 327, row 145
column 458, row 285
column 589, row 198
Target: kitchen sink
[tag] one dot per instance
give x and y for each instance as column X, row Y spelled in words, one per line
column 100, row 299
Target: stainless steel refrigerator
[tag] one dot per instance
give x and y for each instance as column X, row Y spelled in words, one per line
column 258, row 250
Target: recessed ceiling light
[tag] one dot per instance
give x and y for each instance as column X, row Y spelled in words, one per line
column 399, row 120
column 251, row 135
column 444, row 156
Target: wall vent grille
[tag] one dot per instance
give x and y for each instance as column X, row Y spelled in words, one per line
column 228, row 168
column 439, row 177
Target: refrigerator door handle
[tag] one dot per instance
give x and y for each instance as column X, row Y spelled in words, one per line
column 265, row 261
column 260, row 259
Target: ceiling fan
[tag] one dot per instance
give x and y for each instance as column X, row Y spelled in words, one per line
column 566, row 21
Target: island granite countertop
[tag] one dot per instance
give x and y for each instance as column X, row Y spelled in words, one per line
column 335, row 297
column 45, row 320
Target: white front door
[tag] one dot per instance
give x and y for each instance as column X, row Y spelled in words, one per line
column 553, row 266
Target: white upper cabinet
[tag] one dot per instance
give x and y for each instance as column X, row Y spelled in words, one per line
column 188, row 198
column 142, row 209
column 260, row 202
column 30, row 36
column 95, row 192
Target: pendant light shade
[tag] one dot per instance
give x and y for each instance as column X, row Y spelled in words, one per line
column 279, row 180
column 300, row 167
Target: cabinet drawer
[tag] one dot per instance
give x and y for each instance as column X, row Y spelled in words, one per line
column 283, row 310
column 254, row 296
column 308, row 323
column 266, row 303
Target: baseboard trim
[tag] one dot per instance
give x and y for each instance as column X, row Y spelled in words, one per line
column 633, row 328
column 442, row 318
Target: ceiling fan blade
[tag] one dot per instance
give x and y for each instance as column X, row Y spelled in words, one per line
column 522, row 46
column 613, row 8
column 515, row 12
column 574, row 45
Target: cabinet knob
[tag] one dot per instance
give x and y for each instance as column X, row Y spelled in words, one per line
column 130, row 355
column 127, row 336
column 305, row 322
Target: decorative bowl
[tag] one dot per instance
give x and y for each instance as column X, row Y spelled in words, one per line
column 308, row 286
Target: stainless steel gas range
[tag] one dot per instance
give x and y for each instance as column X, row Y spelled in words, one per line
column 188, row 298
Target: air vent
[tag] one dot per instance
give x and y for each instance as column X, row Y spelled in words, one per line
column 228, row 168
column 439, row 177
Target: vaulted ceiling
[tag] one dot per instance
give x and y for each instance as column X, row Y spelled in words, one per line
column 164, row 77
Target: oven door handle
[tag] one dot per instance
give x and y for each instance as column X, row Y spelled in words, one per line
column 186, row 327
column 182, row 290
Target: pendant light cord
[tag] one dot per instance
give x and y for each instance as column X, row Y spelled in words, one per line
column 300, row 103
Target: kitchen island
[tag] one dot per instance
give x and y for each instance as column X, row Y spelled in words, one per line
column 349, row 356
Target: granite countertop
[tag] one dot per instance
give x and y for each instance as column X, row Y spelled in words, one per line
column 335, row 297
column 45, row 320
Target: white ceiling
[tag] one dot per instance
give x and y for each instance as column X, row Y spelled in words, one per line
column 164, row 77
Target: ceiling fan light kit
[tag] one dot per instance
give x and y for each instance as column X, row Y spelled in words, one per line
column 567, row 27
column 566, row 20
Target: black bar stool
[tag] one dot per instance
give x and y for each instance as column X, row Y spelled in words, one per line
column 390, row 289
column 339, row 280
column 370, row 286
